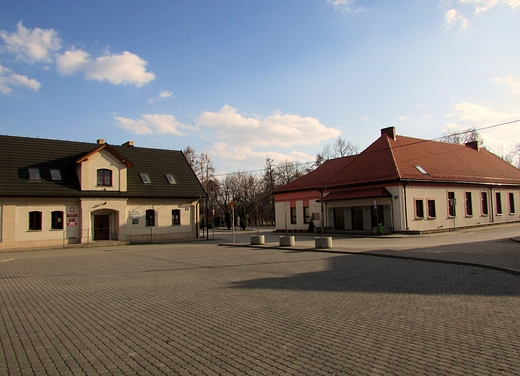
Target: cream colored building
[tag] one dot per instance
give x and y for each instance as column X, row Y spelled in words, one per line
column 403, row 184
column 56, row 193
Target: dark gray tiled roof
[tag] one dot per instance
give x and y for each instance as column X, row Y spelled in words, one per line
column 17, row 154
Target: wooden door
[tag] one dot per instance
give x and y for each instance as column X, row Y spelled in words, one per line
column 102, row 227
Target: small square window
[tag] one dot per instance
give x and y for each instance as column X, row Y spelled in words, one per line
column 421, row 170
column 55, row 174
column 170, row 178
column 34, row 174
column 145, row 178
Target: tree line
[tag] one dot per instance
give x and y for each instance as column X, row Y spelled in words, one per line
column 252, row 193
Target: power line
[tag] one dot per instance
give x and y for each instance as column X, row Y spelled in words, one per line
column 413, row 143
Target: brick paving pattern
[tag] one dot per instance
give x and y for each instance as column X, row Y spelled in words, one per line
column 199, row 309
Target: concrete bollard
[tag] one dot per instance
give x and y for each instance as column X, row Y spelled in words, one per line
column 257, row 239
column 323, row 242
column 286, row 241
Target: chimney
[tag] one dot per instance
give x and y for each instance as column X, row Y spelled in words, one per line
column 100, row 141
column 129, row 144
column 390, row 132
column 473, row 145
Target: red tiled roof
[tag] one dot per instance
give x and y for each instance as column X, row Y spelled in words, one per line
column 389, row 160
column 357, row 193
column 317, row 177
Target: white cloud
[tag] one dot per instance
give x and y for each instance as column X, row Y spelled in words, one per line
column 485, row 5
column 154, row 123
column 8, row 79
column 453, row 17
column 162, row 95
column 165, row 94
column 347, row 5
column 239, row 137
column 511, row 81
column 32, row 45
column 72, row 61
column 126, row 68
column 481, row 115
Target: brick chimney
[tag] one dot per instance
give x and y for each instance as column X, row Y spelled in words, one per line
column 100, row 141
column 129, row 144
column 390, row 132
column 473, row 145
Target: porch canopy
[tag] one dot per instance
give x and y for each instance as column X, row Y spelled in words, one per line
column 357, row 193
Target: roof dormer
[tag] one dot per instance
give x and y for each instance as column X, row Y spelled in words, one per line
column 103, row 169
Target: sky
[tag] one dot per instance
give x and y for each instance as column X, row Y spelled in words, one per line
column 245, row 80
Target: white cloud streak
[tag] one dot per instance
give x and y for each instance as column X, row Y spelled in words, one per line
column 485, row 5
column 36, row 45
column 240, row 137
column 511, row 81
column 154, row 124
column 453, row 18
column 125, row 68
column 346, row 5
column 8, row 79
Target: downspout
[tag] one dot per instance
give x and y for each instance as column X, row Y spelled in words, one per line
column 405, row 207
column 322, row 212
column 492, row 208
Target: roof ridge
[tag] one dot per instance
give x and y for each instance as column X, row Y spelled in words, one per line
column 396, row 166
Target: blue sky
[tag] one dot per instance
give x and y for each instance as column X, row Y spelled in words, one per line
column 242, row 80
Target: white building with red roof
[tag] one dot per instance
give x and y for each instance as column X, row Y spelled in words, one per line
column 406, row 185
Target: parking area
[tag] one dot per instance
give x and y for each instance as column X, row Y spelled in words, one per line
column 193, row 309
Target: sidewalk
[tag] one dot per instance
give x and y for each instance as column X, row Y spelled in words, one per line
column 496, row 247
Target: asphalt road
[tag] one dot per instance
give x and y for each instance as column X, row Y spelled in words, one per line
column 202, row 309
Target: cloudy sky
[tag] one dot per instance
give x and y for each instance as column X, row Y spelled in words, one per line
column 242, row 80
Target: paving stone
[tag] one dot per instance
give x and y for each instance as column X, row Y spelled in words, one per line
column 191, row 309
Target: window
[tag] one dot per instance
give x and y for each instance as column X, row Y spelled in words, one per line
column 421, row 170
column 469, row 204
column 431, row 209
column 34, row 174
column 150, row 217
column 498, row 196
column 419, row 209
column 170, row 179
column 55, row 174
column 35, row 221
column 306, row 214
column 145, row 178
column 57, row 220
column 484, row 203
column 451, row 204
column 104, row 177
column 176, row 217
column 511, row 203
column 293, row 216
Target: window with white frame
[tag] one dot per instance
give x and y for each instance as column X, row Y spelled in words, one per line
column 419, row 209
column 498, row 198
column 35, row 221
column 468, row 204
column 431, row 209
column 484, row 203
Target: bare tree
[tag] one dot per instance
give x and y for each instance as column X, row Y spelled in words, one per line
column 461, row 138
column 340, row 148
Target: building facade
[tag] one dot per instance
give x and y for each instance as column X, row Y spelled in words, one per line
column 56, row 193
column 403, row 184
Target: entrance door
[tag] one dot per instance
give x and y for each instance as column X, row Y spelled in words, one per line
column 378, row 215
column 339, row 218
column 102, row 227
column 357, row 218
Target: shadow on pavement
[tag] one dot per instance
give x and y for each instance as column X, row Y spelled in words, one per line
column 366, row 274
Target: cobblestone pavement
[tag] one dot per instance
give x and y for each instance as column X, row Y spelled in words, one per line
column 194, row 309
